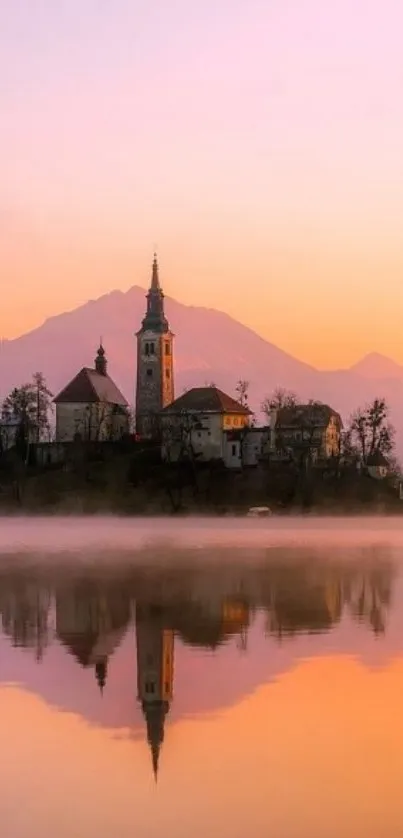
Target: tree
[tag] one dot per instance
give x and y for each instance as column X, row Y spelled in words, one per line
column 180, row 455
column 278, row 399
column 20, row 405
column 242, row 391
column 370, row 431
column 30, row 405
column 44, row 406
column 94, row 422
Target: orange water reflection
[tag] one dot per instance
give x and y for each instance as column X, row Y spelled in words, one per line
column 319, row 752
column 261, row 701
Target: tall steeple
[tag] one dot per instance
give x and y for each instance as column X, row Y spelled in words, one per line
column 155, row 369
column 155, row 319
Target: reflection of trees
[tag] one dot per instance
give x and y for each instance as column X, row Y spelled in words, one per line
column 368, row 598
column 303, row 599
column 25, row 606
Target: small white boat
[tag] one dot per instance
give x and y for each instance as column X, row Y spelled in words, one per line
column 259, row 512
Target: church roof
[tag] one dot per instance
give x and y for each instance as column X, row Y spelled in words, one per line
column 206, row 400
column 90, row 387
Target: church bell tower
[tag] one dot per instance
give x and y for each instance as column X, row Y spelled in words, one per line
column 155, row 373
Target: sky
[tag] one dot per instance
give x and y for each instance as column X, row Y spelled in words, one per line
column 255, row 144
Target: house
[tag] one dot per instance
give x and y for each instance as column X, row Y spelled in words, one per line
column 377, row 466
column 197, row 423
column 307, row 428
column 91, row 407
column 246, row 447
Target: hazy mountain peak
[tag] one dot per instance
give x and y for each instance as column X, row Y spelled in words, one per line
column 375, row 365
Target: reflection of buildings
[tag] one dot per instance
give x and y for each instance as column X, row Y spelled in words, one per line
column 90, row 622
column 210, row 624
column 155, row 673
column 300, row 603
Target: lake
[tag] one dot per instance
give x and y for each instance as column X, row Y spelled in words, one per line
column 201, row 678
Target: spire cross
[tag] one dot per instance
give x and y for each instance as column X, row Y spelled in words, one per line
column 155, row 282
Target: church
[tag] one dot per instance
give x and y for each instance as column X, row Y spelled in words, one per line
column 204, row 418
column 91, row 406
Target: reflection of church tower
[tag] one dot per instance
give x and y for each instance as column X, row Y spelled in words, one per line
column 155, row 668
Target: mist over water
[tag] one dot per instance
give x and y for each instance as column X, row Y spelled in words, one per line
column 77, row 535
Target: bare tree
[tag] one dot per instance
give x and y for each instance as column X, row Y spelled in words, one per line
column 278, row 399
column 242, row 391
column 44, row 406
column 179, row 452
column 178, row 436
column 94, row 422
column 370, row 431
column 30, row 405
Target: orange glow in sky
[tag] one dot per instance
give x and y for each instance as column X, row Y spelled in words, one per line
column 256, row 145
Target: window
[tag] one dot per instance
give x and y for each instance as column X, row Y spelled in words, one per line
column 152, row 348
column 167, row 373
column 150, row 688
column 149, row 373
column 167, row 686
column 167, row 349
column 233, row 450
column 147, row 348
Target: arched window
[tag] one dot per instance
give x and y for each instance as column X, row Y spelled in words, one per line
column 147, row 348
column 152, row 348
column 167, row 349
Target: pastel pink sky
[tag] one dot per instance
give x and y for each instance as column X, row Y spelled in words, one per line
column 257, row 144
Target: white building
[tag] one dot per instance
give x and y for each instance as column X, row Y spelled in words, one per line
column 245, row 448
column 198, row 424
column 91, row 407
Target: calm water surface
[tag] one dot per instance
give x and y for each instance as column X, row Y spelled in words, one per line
column 201, row 679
